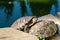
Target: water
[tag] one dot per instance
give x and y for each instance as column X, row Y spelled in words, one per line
column 14, row 9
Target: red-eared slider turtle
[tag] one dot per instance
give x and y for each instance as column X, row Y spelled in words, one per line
column 24, row 23
column 44, row 28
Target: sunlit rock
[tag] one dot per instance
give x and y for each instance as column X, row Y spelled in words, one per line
column 12, row 34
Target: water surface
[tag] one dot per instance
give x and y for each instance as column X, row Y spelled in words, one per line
column 14, row 9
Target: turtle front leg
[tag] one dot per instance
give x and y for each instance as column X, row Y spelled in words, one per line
column 26, row 29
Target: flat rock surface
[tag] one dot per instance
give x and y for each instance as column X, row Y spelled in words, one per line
column 12, row 34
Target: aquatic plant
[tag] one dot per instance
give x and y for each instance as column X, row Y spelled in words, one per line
column 39, row 37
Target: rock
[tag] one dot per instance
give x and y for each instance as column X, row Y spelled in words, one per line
column 12, row 34
column 52, row 18
column 55, row 37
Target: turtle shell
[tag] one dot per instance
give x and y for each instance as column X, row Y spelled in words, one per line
column 22, row 22
column 44, row 28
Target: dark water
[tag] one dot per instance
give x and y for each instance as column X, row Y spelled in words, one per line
column 14, row 9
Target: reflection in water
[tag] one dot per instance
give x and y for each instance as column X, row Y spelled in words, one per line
column 54, row 6
column 6, row 8
column 2, row 16
column 53, row 10
column 29, row 12
column 16, row 12
column 11, row 10
column 26, row 10
column 23, row 7
column 58, row 5
column 40, row 9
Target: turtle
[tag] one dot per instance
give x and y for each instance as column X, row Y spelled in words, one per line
column 43, row 28
column 24, row 23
